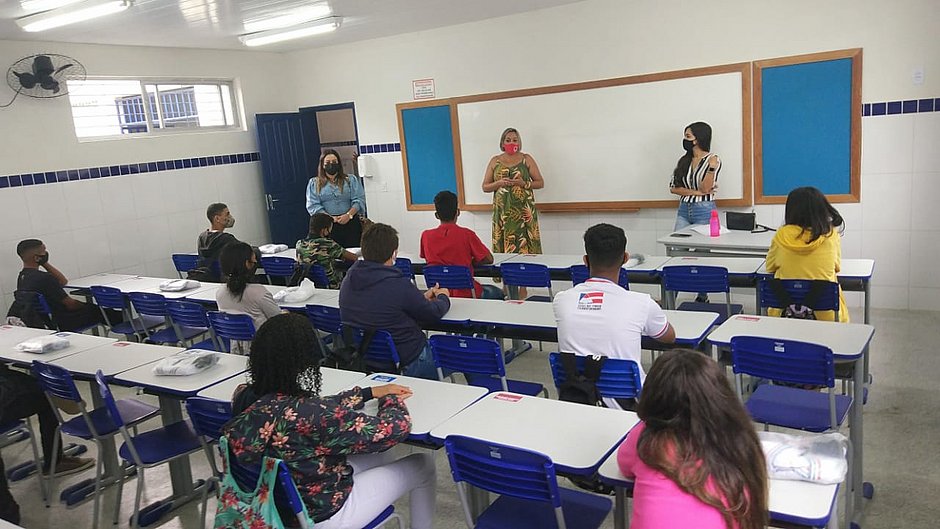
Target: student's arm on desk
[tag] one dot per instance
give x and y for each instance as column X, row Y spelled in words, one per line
column 426, row 306
column 657, row 327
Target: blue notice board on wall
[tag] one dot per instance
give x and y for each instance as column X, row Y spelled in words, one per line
column 807, row 127
column 428, row 149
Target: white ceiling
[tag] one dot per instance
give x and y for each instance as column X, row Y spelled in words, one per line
column 215, row 24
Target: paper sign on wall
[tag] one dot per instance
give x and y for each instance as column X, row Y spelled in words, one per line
column 423, row 88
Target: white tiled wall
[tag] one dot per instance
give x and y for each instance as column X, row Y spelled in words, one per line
column 127, row 224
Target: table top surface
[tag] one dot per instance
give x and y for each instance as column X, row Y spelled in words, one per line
column 10, row 335
column 431, row 404
column 77, row 344
column 847, row 340
column 207, row 294
column 333, row 381
column 151, row 285
column 744, row 240
column 554, row 428
column 114, row 358
column 734, row 265
column 229, row 366
column 848, row 268
column 554, row 261
column 105, row 279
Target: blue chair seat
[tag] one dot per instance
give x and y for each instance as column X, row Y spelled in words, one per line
column 582, row 511
column 139, row 324
column 795, row 408
column 169, row 335
column 132, row 411
column 205, row 344
column 720, row 308
column 493, row 384
column 164, row 443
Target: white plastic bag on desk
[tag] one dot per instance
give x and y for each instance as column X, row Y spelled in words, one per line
column 179, row 285
column 302, row 292
column 818, row 458
column 43, row 344
column 188, row 362
column 268, row 249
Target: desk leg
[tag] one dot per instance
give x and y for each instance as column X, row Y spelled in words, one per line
column 867, row 283
column 620, row 508
column 518, row 346
column 857, row 434
column 714, row 352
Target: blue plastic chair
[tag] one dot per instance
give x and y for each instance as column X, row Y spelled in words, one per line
column 229, row 327
column 36, row 302
column 184, row 262
column 189, row 317
column 581, row 273
column 481, row 357
column 527, row 484
column 381, row 353
column 132, row 328
column 791, row 362
column 154, row 305
column 280, row 267
column 527, row 275
column 449, row 276
column 327, row 320
column 619, row 379
column 317, row 274
column 208, row 417
column 798, row 289
column 703, row 279
column 96, row 425
column 147, row 450
column 404, row 265
column 14, row 432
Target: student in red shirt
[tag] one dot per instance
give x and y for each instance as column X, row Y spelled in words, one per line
column 450, row 244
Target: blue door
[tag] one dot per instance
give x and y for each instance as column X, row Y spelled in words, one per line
column 286, row 171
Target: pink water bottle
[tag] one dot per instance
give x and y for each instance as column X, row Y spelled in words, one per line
column 714, row 224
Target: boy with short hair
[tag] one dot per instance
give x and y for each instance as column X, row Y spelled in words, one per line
column 210, row 242
column 450, row 244
column 319, row 249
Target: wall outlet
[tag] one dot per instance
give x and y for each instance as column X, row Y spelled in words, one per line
column 918, row 76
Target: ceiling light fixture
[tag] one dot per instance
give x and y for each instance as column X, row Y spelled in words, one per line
column 34, row 6
column 280, row 35
column 71, row 14
column 290, row 18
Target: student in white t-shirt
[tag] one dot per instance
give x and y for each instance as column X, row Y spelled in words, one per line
column 599, row 317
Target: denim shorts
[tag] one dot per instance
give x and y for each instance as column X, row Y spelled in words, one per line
column 694, row 213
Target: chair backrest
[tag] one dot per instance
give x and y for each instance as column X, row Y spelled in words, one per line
column 187, row 313
column 147, row 303
column 35, row 310
column 278, row 266
column 208, row 416
column 619, row 379
column 404, row 264
column 580, row 273
column 184, row 262
column 526, row 275
column 503, row 469
column 448, row 276
column 55, row 381
column 783, row 360
column 467, row 354
column 246, row 477
column 827, row 293
column 381, row 351
column 695, row 278
column 108, row 297
column 232, row 326
column 108, row 400
column 325, row 318
column 317, row 274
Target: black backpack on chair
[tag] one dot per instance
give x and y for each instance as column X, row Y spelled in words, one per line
column 803, row 310
column 350, row 357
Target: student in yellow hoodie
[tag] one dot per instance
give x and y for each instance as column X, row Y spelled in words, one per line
column 808, row 246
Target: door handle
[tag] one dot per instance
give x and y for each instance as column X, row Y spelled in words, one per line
column 267, row 202
column 272, row 200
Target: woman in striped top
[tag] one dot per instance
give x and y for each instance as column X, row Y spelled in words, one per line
column 695, row 178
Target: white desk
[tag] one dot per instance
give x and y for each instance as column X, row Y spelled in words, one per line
column 77, row 344
column 150, row 285
column 105, row 279
column 854, row 276
column 553, row 261
column 10, row 335
column 334, row 380
column 739, row 266
column 800, row 502
column 207, row 295
column 848, row 341
column 229, row 366
column 431, row 404
column 113, row 358
column 734, row 243
column 576, row 437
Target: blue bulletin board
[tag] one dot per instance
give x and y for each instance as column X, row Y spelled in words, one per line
column 428, row 152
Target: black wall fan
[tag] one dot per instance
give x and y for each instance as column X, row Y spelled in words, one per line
column 43, row 76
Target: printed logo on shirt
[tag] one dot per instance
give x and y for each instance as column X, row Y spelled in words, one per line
column 591, row 301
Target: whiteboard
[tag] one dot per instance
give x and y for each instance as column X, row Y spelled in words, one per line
column 617, row 143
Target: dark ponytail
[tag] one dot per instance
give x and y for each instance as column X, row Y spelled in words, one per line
column 232, row 262
column 703, row 136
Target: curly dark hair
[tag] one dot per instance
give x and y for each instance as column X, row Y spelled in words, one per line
column 285, row 357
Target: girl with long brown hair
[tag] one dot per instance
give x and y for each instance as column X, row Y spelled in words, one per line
column 339, row 195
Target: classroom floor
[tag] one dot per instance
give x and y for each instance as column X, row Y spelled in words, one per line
column 902, row 426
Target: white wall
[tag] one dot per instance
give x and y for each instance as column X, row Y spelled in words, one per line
column 609, row 38
column 128, row 223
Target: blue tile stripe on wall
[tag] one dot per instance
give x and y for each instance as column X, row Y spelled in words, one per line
column 910, row 106
column 379, row 148
column 67, row 175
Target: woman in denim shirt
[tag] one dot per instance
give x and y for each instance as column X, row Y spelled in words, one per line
column 340, row 196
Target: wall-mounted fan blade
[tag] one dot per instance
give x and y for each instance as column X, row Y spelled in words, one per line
column 27, row 80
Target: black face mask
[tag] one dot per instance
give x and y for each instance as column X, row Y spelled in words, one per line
column 42, row 259
column 687, row 145
column 331, row 168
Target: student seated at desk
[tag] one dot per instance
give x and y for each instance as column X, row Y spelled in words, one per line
column 809, row 245
column 319, row 249
column 450, row 244
column 599, row 317
column 335, row 452
column 375, row 295
column 239, row 263
column 210, row 243
column 695, row 457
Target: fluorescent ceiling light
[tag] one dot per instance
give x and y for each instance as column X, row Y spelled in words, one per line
column 34, row 6
column 279, row 35
column 289, row 18
column 71, row 14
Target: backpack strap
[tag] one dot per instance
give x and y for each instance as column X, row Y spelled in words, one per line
column 776, row 286
column 569, row 363
column 592, row 367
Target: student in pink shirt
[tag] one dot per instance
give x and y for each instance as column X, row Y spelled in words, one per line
column 694, row 456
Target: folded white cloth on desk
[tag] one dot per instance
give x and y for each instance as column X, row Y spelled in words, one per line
column 635, row 259
column 815, row 458
column 43, row 344
column 178, row 285
column 706, row 229
column 296, row 294
column 188, row 362
column 268, row 249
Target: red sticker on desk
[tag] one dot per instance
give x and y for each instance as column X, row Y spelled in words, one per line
column 748, row 318
column 120, row 344
column 508, row 397
column 515, row 301
column 5, row 327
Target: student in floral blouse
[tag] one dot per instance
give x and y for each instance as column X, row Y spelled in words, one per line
column 334, row 451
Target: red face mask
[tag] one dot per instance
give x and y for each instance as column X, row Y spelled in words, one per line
column 511, row 148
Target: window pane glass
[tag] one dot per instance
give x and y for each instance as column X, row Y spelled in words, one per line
column 106, row 108
column 227, row 104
